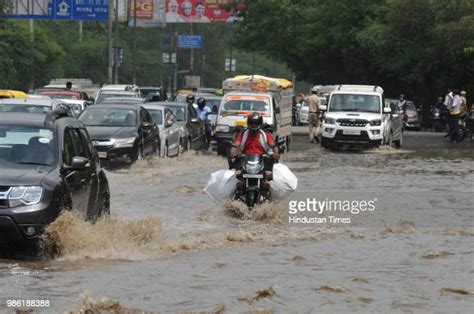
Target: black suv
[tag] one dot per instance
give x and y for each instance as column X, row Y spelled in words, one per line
column 47, row 164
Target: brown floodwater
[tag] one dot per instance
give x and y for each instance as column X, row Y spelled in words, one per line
column 169, row 248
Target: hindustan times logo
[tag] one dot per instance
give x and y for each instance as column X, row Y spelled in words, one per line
column 299, row 210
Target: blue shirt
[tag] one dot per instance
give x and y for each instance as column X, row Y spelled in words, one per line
column 203, row 113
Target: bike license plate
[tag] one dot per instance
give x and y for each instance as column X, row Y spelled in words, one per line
column 253, row 176
column 351, row 132
column 102, row 154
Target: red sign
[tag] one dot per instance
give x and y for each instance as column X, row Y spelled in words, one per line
column 200, row 11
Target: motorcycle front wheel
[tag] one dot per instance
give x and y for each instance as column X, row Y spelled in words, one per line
column 251, row 199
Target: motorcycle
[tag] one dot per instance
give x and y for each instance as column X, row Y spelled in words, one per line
column 438, row 123
column 252, row 176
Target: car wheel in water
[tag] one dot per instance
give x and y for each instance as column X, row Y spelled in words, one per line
column 166, row 153
column 398, row 143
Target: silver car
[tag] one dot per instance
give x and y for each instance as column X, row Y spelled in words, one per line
column 169, row 129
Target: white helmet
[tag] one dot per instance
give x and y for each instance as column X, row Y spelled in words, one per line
column 315, row 89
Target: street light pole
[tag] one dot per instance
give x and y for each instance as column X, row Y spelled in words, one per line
column 110, row 51
column 134, row 67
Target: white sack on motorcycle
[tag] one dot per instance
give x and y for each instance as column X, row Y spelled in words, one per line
column 284, row 182
column 221, row 186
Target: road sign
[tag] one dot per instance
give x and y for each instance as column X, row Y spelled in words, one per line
column 81, row 10
column 227, row 66
column 189, row 41
column 166, row 57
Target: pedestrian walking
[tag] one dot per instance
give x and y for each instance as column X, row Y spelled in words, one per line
column 313, row 118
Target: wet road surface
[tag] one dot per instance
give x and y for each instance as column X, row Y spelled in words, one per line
column 170, row 248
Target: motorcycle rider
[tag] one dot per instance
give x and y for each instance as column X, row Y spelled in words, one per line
column 455, row 112
column 443, row 112
column 203, row 111
column 254, row 141
column 402, row 107
column 190, row 99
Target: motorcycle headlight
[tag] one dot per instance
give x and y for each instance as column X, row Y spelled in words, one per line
column 222, row 128
column 25, row 195
column 124, row 142
column 330, row 121
column 376, row 123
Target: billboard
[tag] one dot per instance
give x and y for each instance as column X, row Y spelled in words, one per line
column 80, row 10
column 199, row 11
column 150, row 13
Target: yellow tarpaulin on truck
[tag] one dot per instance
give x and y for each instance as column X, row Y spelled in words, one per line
column 7, row 93
column 270, row 82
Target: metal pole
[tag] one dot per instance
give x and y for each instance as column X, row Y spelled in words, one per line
column 253, row 62
column 134, row 68
column 191, row 66
column 175, row 65
column 110, row 51
column 32, row 38
column 80, row 31
column 116, row 40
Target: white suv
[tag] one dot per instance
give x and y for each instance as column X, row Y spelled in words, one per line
column 357, row 116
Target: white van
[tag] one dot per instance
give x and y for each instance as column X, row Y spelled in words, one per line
column 357, row 116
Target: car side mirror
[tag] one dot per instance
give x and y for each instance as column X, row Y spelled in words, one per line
column 323, row 107
column 387, row 110
column 78, row 163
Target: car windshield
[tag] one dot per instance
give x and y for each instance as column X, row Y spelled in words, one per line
column 27, row 145
column 245, row 105
column 109, row 117
column 213, row 104
column 156, row 115
column 104, row 96
column 24, row 108
column 351, row 102
column 178, row 112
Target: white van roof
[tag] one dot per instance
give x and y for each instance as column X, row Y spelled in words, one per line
column 359, row 88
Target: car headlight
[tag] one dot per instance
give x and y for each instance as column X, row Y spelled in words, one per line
column 25, row 195
column 124, row 142
column 375, row 123
column 222, row 128
column 330, row 121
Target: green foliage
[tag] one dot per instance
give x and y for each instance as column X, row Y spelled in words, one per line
column 418, row 47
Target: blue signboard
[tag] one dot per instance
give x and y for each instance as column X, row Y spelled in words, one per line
column 189, row 41
column 80, row 10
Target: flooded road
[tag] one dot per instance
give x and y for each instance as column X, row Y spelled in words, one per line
column 169, row 248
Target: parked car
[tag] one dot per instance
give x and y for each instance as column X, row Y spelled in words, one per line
column 152, row 94
column 192, row 132
column 48, row 165
column 123, row 100
column 41, row 104
column 393, row 125
column 170, row 140
column 121, row 133
column 413, row 118
column 110, row 91
column 7, row 93
column 76, row 105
